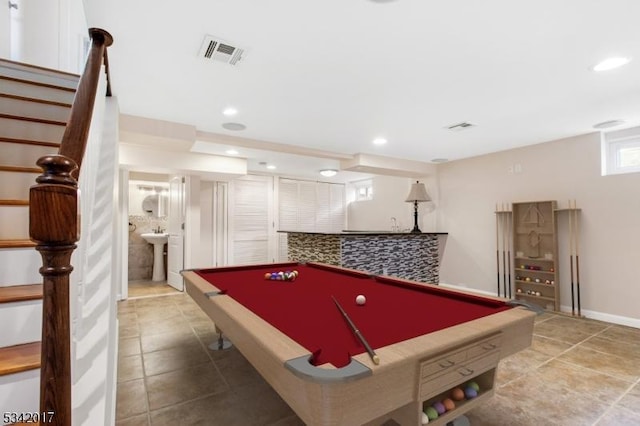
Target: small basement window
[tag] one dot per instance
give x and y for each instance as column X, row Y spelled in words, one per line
column 621, row 151
column 364, row 190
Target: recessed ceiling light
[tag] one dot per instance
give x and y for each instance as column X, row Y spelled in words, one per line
column 232, row 152
column 611, row 63
column 328, row 172
column 379, row 141
column 230, row 111
column 234, row 126
column 608, row 124
column 439, row 160
column 271, row 167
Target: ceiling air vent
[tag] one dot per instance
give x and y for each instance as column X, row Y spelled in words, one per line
column 220, row 50
column 460, row 126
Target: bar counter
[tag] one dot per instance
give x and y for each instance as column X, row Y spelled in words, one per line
column 413, row 256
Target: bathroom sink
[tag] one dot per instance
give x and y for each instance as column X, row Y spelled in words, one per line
column 153, row 238
column 158, row 241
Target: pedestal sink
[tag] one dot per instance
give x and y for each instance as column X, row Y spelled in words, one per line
column 158, row 241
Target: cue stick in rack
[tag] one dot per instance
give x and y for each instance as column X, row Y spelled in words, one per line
column 577, row 243
column 573, row 304
column 509, row 241
column 504, row 253
column 359, row 335
column 498, row 248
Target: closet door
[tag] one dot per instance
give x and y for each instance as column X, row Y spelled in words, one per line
column 251, row 220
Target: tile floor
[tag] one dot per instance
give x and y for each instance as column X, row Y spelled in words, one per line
column 577, row 372
column 144, row 288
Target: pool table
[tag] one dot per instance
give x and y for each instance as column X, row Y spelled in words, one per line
column 429, row 340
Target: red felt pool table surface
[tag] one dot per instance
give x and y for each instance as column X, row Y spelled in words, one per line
column 395, row 310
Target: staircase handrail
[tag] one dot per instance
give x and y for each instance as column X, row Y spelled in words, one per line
column 54, row 226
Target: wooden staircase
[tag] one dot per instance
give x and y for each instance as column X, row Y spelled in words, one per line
column 35, row 104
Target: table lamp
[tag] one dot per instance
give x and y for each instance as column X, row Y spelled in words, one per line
column 417, row 195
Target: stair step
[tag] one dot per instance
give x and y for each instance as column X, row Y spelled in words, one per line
column 33, row 107
column 38, row 130
column 22, row 243
column 29, row 89
column 14, row 202
column 19, row 293
column 20, row 169
column 15, row 186
column 18, row 155
column 29, row 142
column 14, row 216
column 14, row 359
column 37, row 73
column 34, row 119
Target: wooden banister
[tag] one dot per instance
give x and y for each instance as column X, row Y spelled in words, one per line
column 74, row 140
column 53, row 226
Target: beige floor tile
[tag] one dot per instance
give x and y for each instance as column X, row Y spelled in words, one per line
column 166, row 325
column 623, row 348
column 221, row 409
column 621, row 333
column 129, row 346
column 532, row 395
column 623, row 368
column 548, row 346
column 631, row 400
column 520, row 364
column 236, row 370
column 566, row 330
column 140, row 420
column 130, row 368
column 131, row 399
column 184, row 385
column 128, row 331
column 170, row 339
column 561, row 377
column 176, row 358
column 619, row 417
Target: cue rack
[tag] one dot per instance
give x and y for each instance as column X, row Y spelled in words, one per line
column 506, row 262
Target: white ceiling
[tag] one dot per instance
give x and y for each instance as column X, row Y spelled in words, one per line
column 335, row 74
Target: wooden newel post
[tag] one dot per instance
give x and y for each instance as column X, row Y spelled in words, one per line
column 53, row 226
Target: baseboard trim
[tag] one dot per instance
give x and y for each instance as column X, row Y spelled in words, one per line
column 600, row 316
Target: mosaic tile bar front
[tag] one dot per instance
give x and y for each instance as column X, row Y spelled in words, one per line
column 403, row 255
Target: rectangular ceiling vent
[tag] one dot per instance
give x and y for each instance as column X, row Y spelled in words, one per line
column 219, row 50
column 460, row 126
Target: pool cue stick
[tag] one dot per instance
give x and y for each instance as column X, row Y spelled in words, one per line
column 497, row 249
column 509, row 241
column 573, row 306
column 504, row 253
column 359, row 335
column 577, row 238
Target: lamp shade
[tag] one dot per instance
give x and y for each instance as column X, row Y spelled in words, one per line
column 418, row 193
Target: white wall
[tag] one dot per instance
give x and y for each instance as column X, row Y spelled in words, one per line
column 465, row 195
column 389, row 194
column 49, row 34
column 559, row 170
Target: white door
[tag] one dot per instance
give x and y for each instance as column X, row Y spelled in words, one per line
column 5, row 28
column 252, row 237
column 175, row 255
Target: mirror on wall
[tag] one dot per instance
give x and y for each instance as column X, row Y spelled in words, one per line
column 148, row 199
column 155, row 205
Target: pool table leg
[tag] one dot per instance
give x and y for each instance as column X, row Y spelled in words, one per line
column 222, row 343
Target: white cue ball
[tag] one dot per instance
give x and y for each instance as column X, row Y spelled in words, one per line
column 360, row 299
column 424, row 419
